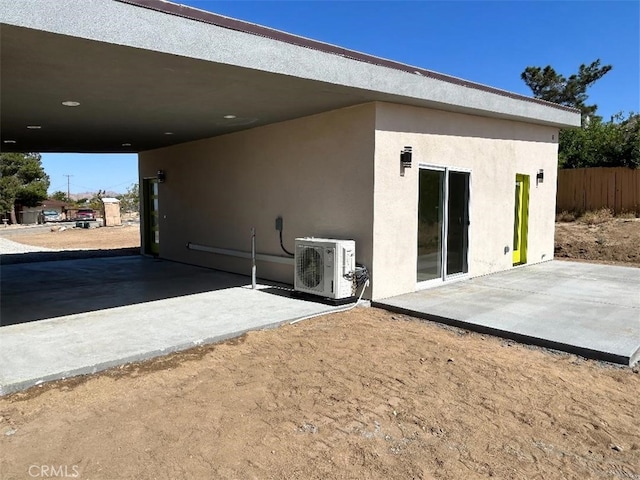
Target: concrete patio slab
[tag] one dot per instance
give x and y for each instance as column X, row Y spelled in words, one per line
column 158, row 307
column 591, row 310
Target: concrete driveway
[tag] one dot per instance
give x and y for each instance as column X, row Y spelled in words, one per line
column 73, row 317
column 591, row 310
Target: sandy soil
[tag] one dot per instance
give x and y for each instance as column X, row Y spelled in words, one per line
column 99, row 238
column 615, row 241
column 362, row 394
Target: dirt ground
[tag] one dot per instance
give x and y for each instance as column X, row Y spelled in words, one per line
column 614, row 241
column 363, row 394
column 100, row 238
column 360, row 394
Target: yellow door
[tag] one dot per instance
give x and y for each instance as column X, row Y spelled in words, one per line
column 521, row 220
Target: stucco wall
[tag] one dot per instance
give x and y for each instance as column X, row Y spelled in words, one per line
column 494, row 151
column 337, row 175
column 316, row 172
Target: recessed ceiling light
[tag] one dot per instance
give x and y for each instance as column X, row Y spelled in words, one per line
column 168, row 133
column 9, row 141
column 70, row 103
column 34, row 127
column 236, row 122
column 126, row 144
column 229, row 117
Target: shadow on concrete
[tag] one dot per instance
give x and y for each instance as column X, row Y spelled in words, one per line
column 36, row 290
column 14, row 258
column 279, row 290
column 287, row 291
column 92, row 341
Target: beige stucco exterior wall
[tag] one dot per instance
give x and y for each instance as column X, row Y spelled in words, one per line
column 337, row 175
column 493, row 150
column 316, row 172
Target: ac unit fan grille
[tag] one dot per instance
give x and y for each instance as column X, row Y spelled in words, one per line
column 310, row 267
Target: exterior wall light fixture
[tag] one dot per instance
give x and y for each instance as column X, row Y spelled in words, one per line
column 161, row 176
column 405, row 159
column 540, row 176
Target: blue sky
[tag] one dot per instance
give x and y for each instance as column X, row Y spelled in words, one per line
column 483, row 41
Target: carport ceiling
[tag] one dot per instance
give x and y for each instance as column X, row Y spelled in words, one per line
column 134, row 96
column 150, row 73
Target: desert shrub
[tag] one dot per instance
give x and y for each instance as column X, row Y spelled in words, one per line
column 628, row 214
column 566, row 216
column 596, row 217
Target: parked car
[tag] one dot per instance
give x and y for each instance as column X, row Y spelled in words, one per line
column 85, row 214
column 51, row 216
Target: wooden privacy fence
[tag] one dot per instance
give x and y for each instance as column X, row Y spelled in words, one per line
column 582, row 189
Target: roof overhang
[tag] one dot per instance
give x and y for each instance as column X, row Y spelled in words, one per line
column 149, row 73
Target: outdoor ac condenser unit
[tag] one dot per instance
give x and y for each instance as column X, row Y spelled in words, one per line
column 325, row 267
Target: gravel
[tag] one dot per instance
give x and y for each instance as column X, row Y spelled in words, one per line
column 13, row 252
column 11, row 247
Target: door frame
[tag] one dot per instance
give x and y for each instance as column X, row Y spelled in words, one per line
column 147, row 212
column 444, row 277
column 521, row 220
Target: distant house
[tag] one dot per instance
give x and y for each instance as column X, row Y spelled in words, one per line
column 48, row 210
column 55, row 206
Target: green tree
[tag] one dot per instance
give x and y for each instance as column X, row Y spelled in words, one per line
column 602, row 144
column 60, row 196
column 130, row 201
column 597, row 144
column 96, row 202
column 9, row 186
column 22, row 180
column 547, row 84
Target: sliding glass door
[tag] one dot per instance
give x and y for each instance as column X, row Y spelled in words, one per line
column 457, row 222
column 443, row 224
column 430, row 222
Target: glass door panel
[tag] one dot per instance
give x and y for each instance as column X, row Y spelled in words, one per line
column 151, row 220
column 430, row 217
column 457, row 222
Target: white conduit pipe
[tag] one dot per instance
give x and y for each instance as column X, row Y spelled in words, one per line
column 238, row 253
column 337, row 310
